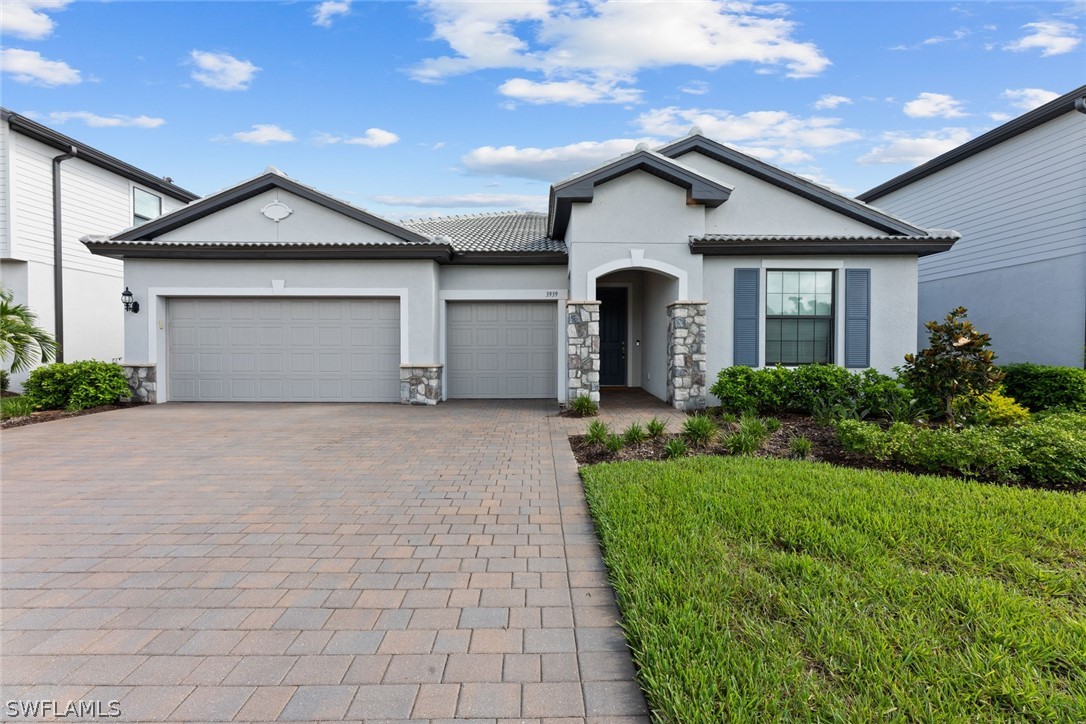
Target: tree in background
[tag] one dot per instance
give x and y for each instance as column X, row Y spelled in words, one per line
column 23, row 343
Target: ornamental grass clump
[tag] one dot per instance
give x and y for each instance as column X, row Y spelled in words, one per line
column 699, row 431
column 597, row 433
column 634, row 435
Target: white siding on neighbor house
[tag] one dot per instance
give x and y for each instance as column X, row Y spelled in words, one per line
column 5, row 193
column 1021, row 201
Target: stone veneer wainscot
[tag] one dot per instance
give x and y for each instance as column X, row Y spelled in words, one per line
column 420, row 384
column 686, row 364
column 583, row 330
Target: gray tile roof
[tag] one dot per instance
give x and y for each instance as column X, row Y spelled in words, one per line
column 938, row 234
column 506, row 231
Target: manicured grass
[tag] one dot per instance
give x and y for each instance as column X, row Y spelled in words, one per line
column 14, row 407
column 757, row 589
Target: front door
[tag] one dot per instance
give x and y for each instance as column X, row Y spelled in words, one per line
column 612, row 335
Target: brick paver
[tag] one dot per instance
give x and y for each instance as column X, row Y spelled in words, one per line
column 203, row 562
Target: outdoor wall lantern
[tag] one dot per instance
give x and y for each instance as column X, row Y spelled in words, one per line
column 129, row 305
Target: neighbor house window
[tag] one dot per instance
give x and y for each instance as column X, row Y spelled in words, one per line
column 798, row 317
column 145, row 206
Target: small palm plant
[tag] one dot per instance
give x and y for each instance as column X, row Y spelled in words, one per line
column 23, row 344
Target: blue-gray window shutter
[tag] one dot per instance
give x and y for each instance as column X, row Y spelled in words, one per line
column 857, row 317
column 745, row 343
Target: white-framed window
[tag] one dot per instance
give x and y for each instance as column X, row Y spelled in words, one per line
column 145, row 206
column 799, row 316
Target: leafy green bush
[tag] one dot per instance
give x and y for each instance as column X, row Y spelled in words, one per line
column 995, row 408
column 956, row 366
column 656, row 427
column 584, row 406
column 800, row 447
column 76, row 385
column 634, row 435
column 1041, row 387
column 1047, row 449
column 597, row 433
column 807, row 389
column 675, row 448
column 699, row 430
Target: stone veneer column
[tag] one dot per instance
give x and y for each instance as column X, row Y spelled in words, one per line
column 420, row 384
column 583, row 332
column 686, row 364
column 143, row 381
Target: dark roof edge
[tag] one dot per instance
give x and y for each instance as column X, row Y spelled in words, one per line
column 1073, row 101
column 790, row 182
column 253, row 187
column 120, row 250
column 912, row 245
column 510, row 257
column 581, row 188
column 46, row 135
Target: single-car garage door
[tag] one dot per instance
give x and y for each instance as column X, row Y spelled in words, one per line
column 502, row 349
column 284, row 350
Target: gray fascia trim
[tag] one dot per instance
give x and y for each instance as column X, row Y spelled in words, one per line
column 249, row 189
column 913, row 245
column 582, row 189
column 789, row 182
column 1075, row 100
column 510, row 258
column 43, row 134
column 435, row 252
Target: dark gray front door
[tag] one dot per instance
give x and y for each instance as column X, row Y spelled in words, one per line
column 612, row 335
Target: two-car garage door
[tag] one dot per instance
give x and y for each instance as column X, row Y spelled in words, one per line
column 290, row 350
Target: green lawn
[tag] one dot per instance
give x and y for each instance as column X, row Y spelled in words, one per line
column 759, row 589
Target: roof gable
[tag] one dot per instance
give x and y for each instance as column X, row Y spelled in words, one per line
column 790, row 182
column 253, row 188
column 582, row 187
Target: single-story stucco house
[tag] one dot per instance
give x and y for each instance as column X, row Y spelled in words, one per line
column 654, row 270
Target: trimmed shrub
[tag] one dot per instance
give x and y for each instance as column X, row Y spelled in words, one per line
column 584, row 406
column 1053, row 446
column 807, row 389
column 1042, row 387
column 76, row 385
column 597, row 433
column 743, row 389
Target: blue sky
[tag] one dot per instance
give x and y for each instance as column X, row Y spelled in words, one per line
column 431, row 108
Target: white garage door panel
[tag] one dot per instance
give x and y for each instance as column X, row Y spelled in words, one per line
column 502, row 349
column 284, row 350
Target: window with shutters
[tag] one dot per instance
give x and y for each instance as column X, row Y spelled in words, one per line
column 145, row 206
column 799, row 319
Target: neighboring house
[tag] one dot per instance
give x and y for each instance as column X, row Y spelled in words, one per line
column 655, row 270
column 1017, row 194
column 54, row 190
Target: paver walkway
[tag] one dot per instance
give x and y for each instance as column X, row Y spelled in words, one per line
column 214, row 562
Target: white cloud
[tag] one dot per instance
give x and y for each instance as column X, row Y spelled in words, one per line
column 775, row 136
column 934, row 105
column 827, row 102
column 329, row 9
column 900, row 147
column 1051, row 37
column 1000, row 117
column 611, row 40
column 956, row 35
column 695, row 88
column 28, row 20
column 1029, row 98
column 263, row 133
column 468, row 201
column 222, row 71
column 546, row 164
column 570, row 92
column 373, row 137
column 96, row 121
column 28, row 66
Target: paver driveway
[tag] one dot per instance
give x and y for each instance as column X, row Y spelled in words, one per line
column 308, row 562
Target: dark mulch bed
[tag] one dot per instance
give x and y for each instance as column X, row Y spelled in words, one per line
column 824, row 448
column 50, row 415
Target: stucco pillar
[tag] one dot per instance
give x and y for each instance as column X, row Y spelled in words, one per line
column 583, row 334
column 686, row 355
column 420, row 384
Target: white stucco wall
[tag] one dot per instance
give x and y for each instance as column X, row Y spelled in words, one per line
column 893, row 304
